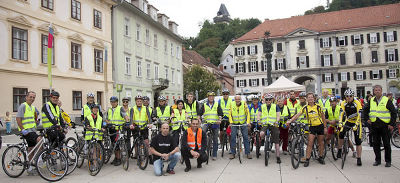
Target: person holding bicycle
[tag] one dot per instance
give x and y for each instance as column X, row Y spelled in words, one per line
column 238, row 115
column 269, row 116
column 225, row 104
column 116, row 115
column 51, row 115
column 191, row 106
column 380, row 113
column 164, row 148
column 212, row 114
column 94, row 127
column 316, row 118
column 194, row 144
column 283, row 128
column 87, row 108
column 350, row 117
column 27, row 121
column 332, row 115
column 254, row 107
column 163, row 111
column 179, row 117
column 139, row 117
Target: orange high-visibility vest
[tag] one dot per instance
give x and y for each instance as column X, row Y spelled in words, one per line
column 190, row 138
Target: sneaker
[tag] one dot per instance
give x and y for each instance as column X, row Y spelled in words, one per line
column 321, row 161
column 339, row 153
column 278, row 160
column 307, row 163
column 171, row 172
column 285, row 152
column 249, row 156
column 359, row 162
column 199, row 166
column 231, row 156
column 354, row 154
column 214, row 158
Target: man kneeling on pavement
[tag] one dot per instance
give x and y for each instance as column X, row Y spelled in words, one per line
column 194, row 145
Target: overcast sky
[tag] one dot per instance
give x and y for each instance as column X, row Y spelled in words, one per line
column 189, row 14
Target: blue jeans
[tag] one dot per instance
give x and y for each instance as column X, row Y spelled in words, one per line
column 244, row 131
column 8, row 127
column 159, row 164
column 215, row 136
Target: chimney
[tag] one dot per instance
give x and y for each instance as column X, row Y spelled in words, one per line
column 208, row 59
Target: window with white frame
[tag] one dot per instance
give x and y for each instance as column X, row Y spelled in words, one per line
column 391, row 54
column 303, row 61
column 373, row 38
column 166, row 73
column 390, row 36
column 155, row 71
column 325, row 42
column 148, row 70
column 357, row 39
column 241, row 83
column 172, row 76
column 147, row 36
column 138, row 32
column 19, row 44
column 342, row 41
column 155, row 41
column 240, row 51
column 343, row 76
column 252, row 50
column 179, row 77
column 375, row 74
column 139, row 68
column 253, row 66
column 264, row 65
column 126, row 26
column 172, row 49
column 328, row 77
column 127, row 65
column 280, row 64
column 177, row 52
column 241, row 67
column 165, row 46
column 392, row 73
column 360, row 75
column 253, row 82
column 327, row 60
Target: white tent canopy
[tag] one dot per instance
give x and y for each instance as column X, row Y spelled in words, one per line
column 283, row 85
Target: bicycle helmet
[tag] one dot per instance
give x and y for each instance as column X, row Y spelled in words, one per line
column 161, row 98
column 96, row 106
column 268, row 96
column 302, row 94
column 210, row 93
column 225, row 90
column 254, row 97
column 139, row 97
column 146, row 98
column 333, row 99
column 90, row 95
column 126, row 98
column 54, row 94
column 113, row 99
column 349, row 92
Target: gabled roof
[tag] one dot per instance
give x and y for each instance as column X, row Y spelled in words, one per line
column 223, row 11
column 373, row 16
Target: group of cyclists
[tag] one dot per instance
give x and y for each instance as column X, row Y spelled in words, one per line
column 326, row 117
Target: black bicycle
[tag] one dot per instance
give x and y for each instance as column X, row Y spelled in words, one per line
column 225, row 137
column 140, row 148
column 255, row 139
column 299, row 142
column 210, row 134
column 109, row 147
column 268, row 143
column 396, row 136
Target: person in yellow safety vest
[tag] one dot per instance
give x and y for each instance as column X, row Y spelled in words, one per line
column 146, row 103
column 302, row 103
column 94, row 125
column 239, row 115
column 283, row 128
column 212, row 115
column 292, row 103
column 324, row 100
column 225, row 104
column 269, row 116
column 351, row 119
column 51, row 115
column 254, row 107
column 163, row 110
column 116, row 115
column 27, row 121
column 86, row 109
column 332, row 115
column 381, row 115
column 316, row 118
column 191, row 106
column 179, row 117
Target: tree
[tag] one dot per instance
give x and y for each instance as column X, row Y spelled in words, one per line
column 200, row 80
column 318, row 9
column 337, row 5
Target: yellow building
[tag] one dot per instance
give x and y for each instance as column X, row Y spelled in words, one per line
column 82, row 52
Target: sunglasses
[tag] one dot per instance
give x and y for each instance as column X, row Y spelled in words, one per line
column 268, row 99
column 349, row 95
column 125, row 101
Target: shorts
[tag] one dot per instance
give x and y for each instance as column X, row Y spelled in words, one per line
column 144, row 133
column 53, row 134
column 274, row 133
column 224, row 123
column 31, row 139
column 317, row 130
column 349, row 126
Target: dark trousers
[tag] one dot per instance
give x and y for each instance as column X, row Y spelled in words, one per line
column 284, row 136
column 381, row 132
column 186, row 157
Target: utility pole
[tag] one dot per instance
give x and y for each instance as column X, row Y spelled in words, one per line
column 268, row 49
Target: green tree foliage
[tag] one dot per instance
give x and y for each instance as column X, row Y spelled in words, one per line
column 198, row 78
column 214, row 38
column 337, row 5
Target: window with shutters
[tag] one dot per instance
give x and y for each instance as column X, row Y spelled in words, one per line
column 357, row 39
column 252, row 50
column 302, row 44
column 253, row 82
column 240, row 51
column 392, row 73
column 155, row 71
column 18, row 97
column 327, row 60
column 280, row 64
column 253, row 66
column 264, row 65
column 325, row 42
column 390, row 36
column 391, row 55
column 303, row 61
column 373, row 38
column 328, row 77
column 76, row 10
column 359, row 75
column 343, row 76
column 279, row 47
column 342, row 59
column 241, row 67
column 342, row 41
column 241, row 83
column 374, row 56
column 375, row 74
column 358, row 58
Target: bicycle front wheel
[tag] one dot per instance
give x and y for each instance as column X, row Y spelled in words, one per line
column 223, row 144
column 72, row 158
column 124, row 155
column 334, row 144
column 13, row 161
column 143, row 158
column 239, row 148
column 296, row 153
column 345, row 150
column 52, row 165
column 396, row 138
column 258, row 144
column 95, row 158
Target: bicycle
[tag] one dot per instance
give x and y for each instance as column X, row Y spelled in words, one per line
column 209, row 134
column 94, row 153
column 224, row 141
column 395, row 138
column 298, row 145
column 239, row 140
column 51, row 163
column 335, row 143
column 268, row 143
column 181, row 130
column 346, row 140
column 121, row 143
column 255, row 138
column 77, row 144
column 141, row 148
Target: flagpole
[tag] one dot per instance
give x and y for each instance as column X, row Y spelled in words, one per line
column 50, row 55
